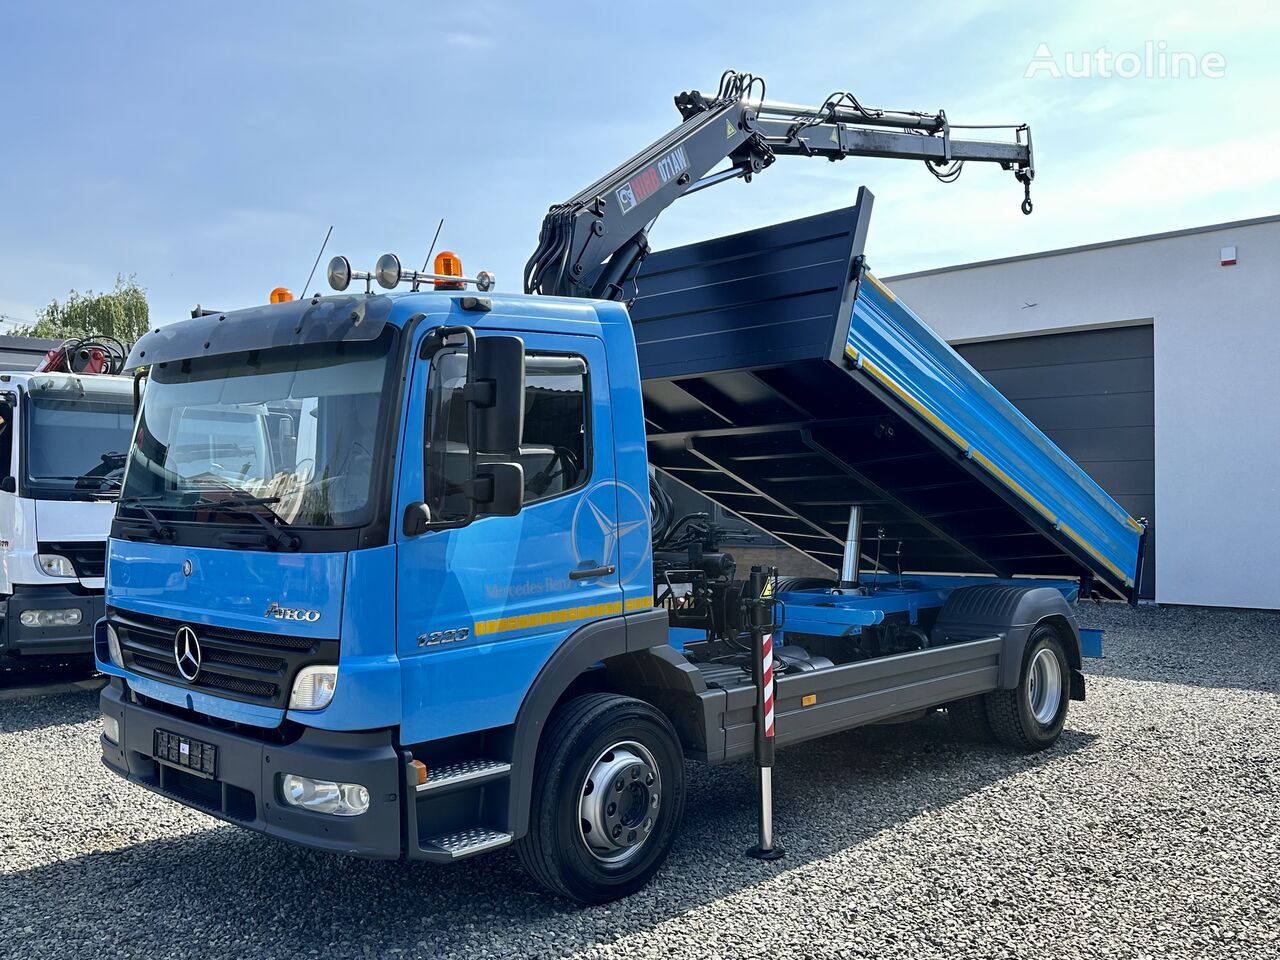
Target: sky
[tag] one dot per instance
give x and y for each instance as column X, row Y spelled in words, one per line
column 208, row 148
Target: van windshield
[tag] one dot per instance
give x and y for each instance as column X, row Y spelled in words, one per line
column 76, row 441
column 292, row 431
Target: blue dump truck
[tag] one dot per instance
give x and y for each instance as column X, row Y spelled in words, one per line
column 387, row 577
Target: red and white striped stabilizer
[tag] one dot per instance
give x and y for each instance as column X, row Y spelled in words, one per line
column 766, row 678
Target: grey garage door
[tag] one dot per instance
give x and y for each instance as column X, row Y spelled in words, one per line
column 1092, row 392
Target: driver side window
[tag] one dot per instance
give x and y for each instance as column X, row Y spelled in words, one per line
column 556, row 449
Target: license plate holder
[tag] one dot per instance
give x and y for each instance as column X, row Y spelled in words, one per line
column 187, row 754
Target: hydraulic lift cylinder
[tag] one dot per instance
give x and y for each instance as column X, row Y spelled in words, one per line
column 852, row 549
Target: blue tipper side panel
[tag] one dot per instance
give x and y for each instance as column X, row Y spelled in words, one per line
column 784, row 382
column 904, row 356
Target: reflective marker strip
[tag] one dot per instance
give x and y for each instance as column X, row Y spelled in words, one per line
column 546, row 617
column 524, row 621
column 879, row 286
column 766, row 673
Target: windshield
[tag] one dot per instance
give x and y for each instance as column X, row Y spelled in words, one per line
column 76, row 443
column 292, row 428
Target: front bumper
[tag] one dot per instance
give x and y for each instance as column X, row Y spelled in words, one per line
column 16, row 638
column 245, row 790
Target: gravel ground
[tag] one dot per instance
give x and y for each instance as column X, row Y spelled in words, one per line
column 1152, row 830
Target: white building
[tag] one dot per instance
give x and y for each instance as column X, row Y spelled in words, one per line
column 1155, row 363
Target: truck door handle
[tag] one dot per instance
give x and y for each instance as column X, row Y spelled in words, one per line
column 590, row 573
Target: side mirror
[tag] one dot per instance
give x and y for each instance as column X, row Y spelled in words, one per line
column 498, row 489
column 497, row 394
column 9, row 485
column 288, row 440
column 417, row 517
column 139, row 379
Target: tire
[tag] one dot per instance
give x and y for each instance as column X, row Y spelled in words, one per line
column 1031, row 716
column 968, row 719
column 603, row 736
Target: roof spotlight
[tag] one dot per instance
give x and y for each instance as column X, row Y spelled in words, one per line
column 339, row 272
column 485, row 281
column 340, row 275
column 387, row 271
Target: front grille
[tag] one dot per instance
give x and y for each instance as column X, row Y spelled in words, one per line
column 259, row 689
column 88, row 557
column 236, row 664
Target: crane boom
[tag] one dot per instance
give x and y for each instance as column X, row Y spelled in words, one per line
column 593, row 245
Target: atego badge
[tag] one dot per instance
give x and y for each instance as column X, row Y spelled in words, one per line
column 291, row 613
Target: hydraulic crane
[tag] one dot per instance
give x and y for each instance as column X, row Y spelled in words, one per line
column 593, row 245
column 93, row 354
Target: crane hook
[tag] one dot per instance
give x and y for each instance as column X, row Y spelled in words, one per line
column 1026, row 201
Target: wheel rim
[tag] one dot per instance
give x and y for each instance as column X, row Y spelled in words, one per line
column 620, row 799
column 1045, row 686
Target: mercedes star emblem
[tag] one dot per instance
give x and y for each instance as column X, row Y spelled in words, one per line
column 186, row 653
column 186, row 568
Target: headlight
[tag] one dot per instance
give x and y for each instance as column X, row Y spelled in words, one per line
column 50, row 618
column 113, row 646
column 111, row 727
column 324, row 796
column 314, row 688
column 55, row 565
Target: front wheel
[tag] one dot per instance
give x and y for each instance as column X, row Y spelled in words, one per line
column 1031, row 716
column 608, row 794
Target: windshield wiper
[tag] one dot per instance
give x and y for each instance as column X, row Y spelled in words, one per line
column 162, row 530
column 101, row 474
column 244, row 506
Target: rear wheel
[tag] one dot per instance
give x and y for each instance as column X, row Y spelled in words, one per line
column 1032, row 715
column 608, row 794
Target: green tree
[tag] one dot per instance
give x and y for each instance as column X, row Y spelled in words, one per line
column 122, row 313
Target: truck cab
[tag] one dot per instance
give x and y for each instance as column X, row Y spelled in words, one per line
column 63, row 440
column 302, row 578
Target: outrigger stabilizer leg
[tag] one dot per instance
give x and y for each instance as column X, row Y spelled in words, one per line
column 760, row 619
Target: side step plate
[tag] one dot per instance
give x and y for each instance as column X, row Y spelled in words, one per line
column 463, row 773
column 464, row 843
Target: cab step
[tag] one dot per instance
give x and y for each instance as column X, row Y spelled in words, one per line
column 463, row 773
column 464, row 843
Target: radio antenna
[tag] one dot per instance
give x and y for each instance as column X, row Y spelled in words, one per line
column 427, row 262
column 317, row 263
column 432, row 249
